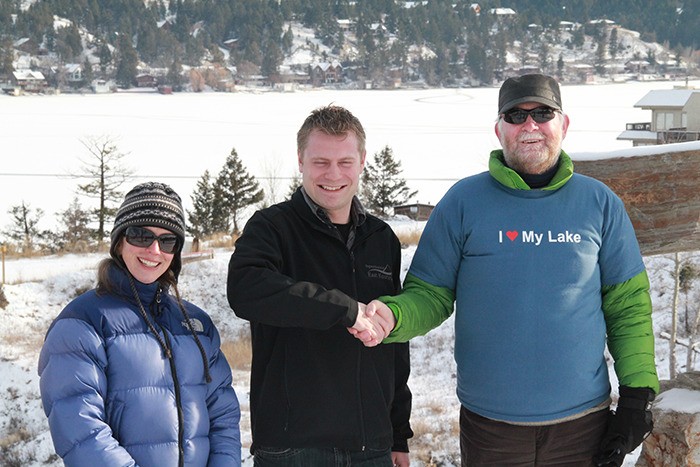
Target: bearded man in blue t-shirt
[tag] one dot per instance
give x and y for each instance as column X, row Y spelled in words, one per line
column 543, row 264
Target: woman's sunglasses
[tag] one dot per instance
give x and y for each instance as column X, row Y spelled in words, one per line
column 539, row 115
column 143, row 238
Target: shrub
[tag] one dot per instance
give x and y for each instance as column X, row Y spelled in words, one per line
column 239, row 352
column 3, row 298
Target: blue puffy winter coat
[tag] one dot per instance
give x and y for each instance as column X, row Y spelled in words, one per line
column 114, row 398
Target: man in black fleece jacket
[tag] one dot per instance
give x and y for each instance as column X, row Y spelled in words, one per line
column 302, row 273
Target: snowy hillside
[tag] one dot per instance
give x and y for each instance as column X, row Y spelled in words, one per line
column 39, row 288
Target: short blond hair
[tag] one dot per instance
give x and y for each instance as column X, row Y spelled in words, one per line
column 332, row 120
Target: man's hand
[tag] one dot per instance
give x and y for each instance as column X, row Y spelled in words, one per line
column 363, row 325
column 627, row 427
column 400, row 459
column 382, row 323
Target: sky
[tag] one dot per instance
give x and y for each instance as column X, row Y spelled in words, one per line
column 438, row 134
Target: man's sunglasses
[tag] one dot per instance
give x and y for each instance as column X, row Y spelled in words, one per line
column 539, row 115
column 143, row 238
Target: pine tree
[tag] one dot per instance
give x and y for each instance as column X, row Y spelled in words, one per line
column 126, row 62
column 24, row 229
column 76, row 233
column 613, row 45
column 235, row 190
column 105, row 57
column 294, row 184
column 203, row 220
column 6, row 59
column 174, row 76
column 382, row 188
column 88, row 75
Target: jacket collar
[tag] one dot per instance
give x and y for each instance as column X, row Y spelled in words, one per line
column 358, row 214
column 510, row 178
column 120, row 281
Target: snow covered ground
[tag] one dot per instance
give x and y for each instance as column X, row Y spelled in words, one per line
column 38, row 289
column 439, row 135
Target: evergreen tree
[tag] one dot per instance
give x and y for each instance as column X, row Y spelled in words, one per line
column 75, row 234
column 613, row 45
column 203, row 219
column 288, row 40
column 6, row 58
column 543, row 53
column 272, row 59
column 174, row 76
column 560, row 67
column 294, row 184
column 105, row 57
column 88, row 75
column 382, row 187
column 24, row 229
column 126, row 62
column 578, row 38
column 600, row 52
column 106, row 174
column 235, row 190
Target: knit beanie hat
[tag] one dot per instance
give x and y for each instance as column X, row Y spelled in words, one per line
column 151, row 204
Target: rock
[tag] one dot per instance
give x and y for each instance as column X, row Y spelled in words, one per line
column 661, row 193
column 675, row 440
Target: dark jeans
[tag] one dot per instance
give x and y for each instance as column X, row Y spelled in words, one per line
column 488, row 442
column 320, row 457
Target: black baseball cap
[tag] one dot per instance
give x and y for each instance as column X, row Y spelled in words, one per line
column 529, row 88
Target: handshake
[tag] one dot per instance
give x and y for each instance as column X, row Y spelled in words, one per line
column 374, row 322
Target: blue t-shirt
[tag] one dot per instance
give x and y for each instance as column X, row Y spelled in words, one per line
column 527, row 267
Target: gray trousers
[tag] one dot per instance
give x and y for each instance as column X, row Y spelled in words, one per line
column 489, row 442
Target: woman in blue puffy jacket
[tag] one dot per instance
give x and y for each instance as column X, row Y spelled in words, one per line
column 131, row 375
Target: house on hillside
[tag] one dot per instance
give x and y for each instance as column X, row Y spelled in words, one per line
column 26, row 45
column 145, row 80
column 29, row 81
column 101, row 86
column 415, row 211
column 503, row 12
column 74, row 73
column 326, row 73
column 231, row 44
column 675, row 118
column 345, row 25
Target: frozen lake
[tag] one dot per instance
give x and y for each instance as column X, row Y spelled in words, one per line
column 440, row 135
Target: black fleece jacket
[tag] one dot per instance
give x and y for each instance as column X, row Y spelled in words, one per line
column 312, row 383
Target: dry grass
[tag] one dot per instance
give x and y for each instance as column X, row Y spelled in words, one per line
column 219, row 240
column 238, row 352
column 428, row 442
column 410, row 237
column 22, row 343
column 17, row 434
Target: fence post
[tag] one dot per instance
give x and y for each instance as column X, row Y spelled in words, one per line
column 3, row 248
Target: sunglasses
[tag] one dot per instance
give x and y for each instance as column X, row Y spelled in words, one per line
column 539, row 115
column 143, row 238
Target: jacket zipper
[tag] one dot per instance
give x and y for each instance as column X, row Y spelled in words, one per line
column 353, row 270
column 363, row 434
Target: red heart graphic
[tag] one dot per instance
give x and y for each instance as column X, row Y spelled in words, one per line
column 512, row 234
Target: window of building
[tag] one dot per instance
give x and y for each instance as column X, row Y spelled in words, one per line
column 664, row 120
